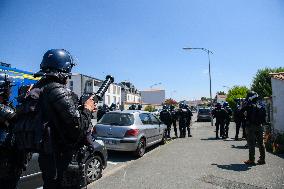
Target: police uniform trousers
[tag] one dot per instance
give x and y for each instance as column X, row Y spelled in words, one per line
column 53, row 166
column 255, row 135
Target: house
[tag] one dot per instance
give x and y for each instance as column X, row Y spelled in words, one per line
column 277, row 83
column 220, row 98
column 80, row 84
column 129, row 94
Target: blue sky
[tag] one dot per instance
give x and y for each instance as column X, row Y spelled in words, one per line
column 142, row 40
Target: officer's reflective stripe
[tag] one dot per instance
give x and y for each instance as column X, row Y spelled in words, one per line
column 31, row 175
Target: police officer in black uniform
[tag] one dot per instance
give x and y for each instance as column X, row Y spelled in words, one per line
column 102, row 110
column 12, row 160
column 65, row 123
column 166, row 118
column 112, row 107
column 220, row 114
column 182, row 114
column 132, row 107
column 139, row 107
column 255, row 117
column 174, row 119
column 239, row 119
column 228, row 118
column 188, row 124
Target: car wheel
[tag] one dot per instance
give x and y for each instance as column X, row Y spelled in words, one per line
column 141, row 148
column 93, row 169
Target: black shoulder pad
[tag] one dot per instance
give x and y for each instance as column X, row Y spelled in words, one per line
column 6, row 113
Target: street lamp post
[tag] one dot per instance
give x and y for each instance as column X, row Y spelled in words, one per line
column 155, row 85
column 208, row 53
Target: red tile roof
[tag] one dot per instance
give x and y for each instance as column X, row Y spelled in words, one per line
column 279, row 75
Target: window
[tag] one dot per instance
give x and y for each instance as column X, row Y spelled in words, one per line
column 114, row 89
column 118, row 90
column 118, row 101
column 108, row 99
column 154, row 119
column 145, row 118
column 108, row 90
column 127, row 97
column 114, row 99
column 117, row 119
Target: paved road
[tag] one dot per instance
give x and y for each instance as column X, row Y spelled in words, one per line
column 198, row 162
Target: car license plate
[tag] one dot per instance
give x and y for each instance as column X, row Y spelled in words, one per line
column 110, row 142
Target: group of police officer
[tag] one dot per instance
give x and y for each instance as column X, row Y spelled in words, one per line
column 250, row 115
column 64, row 124
column 169, row 115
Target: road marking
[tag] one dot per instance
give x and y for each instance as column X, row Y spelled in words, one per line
column 112, row 163
column 40, row 188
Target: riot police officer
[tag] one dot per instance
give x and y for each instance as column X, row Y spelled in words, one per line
column 102, row 110
column 165, row 117
column 182, row 114
column 65, row 126
column 174, row 119
column 220, row 114
column 12, row 160
column 139, row 107
column 239, row 119
column 188, row 124
column 132, row 107
column 228, row 118
column 255, row 117
column 112, row 107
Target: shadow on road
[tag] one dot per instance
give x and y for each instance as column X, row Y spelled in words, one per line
column 211, row 138
column 119, row 157
column 234, row 167
column 239, row 147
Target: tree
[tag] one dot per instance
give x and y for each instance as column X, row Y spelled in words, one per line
column 170, row 101
column 236, row 92
column 262, row 81
column 149, row 108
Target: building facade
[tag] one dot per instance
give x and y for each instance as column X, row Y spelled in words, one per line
column 80, row 84
column 129, row 95
column 153, row 96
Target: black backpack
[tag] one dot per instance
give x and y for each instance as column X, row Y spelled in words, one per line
column 30, row 125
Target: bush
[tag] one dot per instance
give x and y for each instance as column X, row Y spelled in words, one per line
column 149, row 108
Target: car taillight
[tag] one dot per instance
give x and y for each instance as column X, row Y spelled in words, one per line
column 132, row 132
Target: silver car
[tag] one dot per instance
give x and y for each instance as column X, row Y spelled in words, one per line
column 130, row 130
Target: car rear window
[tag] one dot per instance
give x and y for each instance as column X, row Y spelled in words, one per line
column 119, row 119
column 204, row 111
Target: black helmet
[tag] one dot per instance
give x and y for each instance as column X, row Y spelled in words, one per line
column 181, row 105
column 252, row 97
column 218, row 105
column 139, row 107
column 165, row 107
column 57, row 60
column 225, row 104
column 172, row 107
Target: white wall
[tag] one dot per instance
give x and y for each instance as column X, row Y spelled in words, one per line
column 153, row 96
column 113, row 95
column 278, row 104
column 77, row 87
